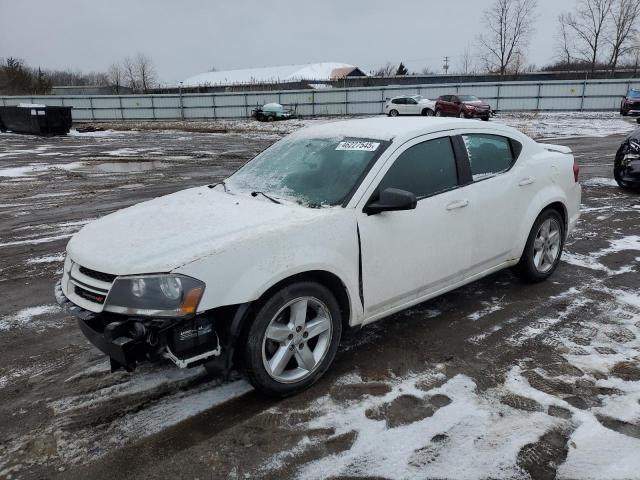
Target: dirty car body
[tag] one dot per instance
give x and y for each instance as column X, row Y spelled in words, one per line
column 337, row 225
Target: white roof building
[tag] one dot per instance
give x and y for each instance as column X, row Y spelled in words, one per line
column 287, row 73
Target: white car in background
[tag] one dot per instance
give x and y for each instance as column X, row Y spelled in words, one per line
column 337, row 225
column 410, row 105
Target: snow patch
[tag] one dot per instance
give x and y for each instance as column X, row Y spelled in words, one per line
column 26, row 317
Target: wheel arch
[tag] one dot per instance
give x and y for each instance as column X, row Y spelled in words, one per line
column 327, row 279
column 561, row 209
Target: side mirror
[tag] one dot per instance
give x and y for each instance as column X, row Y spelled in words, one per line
column 391, row 200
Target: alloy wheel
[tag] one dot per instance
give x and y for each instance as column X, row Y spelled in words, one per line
column 297, row 339
column 546, row 246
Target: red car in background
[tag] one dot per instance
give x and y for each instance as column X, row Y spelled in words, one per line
column 462, row 106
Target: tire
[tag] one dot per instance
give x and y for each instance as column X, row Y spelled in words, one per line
column 439, row 113
column 485, row 119
column 529, row 268
column 427, row 112
column 278, row 333
column 393, row 113
column 461, row 114
column 621, row 184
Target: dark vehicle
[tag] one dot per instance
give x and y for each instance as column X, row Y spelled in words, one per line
column 462, row 106
column 36, row 119
column 626, row 168
column 631, row 103
column 270, row 112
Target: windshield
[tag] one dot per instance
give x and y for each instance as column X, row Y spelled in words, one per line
column 634, row 94
column 311, row 171
column 468, row 98
column 418, row 98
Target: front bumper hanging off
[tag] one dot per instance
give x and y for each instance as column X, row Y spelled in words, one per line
column 129, row 341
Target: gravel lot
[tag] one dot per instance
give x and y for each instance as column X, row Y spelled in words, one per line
column 497, row 379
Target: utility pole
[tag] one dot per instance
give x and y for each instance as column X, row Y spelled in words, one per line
column 445, row 66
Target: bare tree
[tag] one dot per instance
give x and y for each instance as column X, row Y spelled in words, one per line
column 564, row 41
column 146, row 72
column 624, row 16
column 467, row 65
column 115, row 77
column 385, row 71
column 509, row 25
column 130, row 74
column 588, row 23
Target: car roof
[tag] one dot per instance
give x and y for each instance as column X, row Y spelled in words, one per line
column 386, row 128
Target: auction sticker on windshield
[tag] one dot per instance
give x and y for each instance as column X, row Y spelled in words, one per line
column 357, row 145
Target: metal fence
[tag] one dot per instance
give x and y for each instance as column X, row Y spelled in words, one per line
column 574, row 95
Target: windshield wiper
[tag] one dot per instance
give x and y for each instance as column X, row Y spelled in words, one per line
column 221, row 182
column 255, row 194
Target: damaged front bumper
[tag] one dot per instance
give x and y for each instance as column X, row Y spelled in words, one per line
column 128, row 341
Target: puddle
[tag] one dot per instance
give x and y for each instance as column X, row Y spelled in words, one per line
column 125, row 167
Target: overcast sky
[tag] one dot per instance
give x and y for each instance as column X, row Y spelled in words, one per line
column 190, row 36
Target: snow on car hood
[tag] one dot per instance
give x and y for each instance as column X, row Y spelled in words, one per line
column 167, row 232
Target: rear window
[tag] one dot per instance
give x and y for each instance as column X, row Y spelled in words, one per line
column 489, row 155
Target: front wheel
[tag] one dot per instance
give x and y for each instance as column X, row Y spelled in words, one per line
column 543, row 249
column 293, row 339
column 439, row 113
column 461, row 114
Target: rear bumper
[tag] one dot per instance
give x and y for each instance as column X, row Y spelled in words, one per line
column 631, row 173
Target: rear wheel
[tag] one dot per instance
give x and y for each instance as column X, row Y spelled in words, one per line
column 427, row 112
column 543, row 249
column 293, row 339
column 439, row 113
column 393, row 113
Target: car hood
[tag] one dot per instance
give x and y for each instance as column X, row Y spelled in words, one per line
column 165, row 233
column 426, row 100
column 477, row 103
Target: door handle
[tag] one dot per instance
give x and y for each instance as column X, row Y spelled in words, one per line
column 526, row 181
column 457, row 204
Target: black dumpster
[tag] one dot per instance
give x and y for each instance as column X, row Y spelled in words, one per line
column 36, row 119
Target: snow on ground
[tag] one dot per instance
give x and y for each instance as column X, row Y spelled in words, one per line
column 456, row 430
column 46, row 259
column 36, row 168
column 567, row 124
column 600, row 182
column 592, row 260
column 28, row 317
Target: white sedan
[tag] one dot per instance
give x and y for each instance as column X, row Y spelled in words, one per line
column 335, row 226
column 410, row 105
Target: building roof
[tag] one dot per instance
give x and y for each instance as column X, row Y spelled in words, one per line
column 287, row 73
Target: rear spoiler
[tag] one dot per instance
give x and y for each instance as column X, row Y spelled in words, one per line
column 556, row 148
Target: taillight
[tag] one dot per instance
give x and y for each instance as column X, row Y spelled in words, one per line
column 576, row 170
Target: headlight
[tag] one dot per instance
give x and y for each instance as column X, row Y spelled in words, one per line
column 155, row 295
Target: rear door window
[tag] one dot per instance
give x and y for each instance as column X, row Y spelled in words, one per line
column 424, row 169
column 399, row 101
column 489, row 155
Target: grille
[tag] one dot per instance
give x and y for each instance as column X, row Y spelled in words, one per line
column 103, row 277
column 87, row 295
